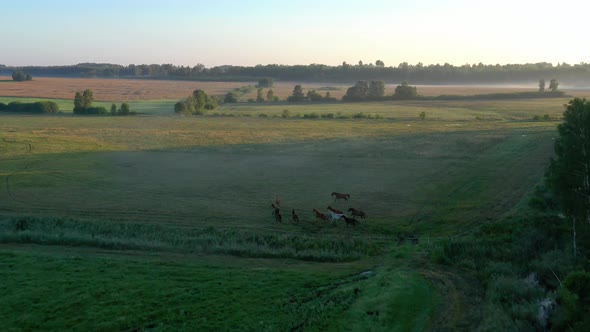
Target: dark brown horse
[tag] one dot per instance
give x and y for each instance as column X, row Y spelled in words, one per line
column 350, row 221
column 335, row 210
column 278, row 216
column 338, row 196
column 294, row 216
column 320, row 215
column 357, row 213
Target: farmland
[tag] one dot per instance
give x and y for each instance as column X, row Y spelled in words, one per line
column 176, row 210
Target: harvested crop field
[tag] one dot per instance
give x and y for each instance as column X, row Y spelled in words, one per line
column 110, row 89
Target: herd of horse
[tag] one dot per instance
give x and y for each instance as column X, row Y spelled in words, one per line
column 330, row 216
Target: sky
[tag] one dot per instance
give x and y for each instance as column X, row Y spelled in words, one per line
column 224, row 32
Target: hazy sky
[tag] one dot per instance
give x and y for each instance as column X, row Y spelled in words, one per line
column 217, row 32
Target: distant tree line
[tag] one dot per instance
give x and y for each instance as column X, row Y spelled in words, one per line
column 37, row 107
column 418, row 73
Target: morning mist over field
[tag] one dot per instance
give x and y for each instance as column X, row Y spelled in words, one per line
column 294, row 166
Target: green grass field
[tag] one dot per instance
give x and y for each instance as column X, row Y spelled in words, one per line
column 158, row 222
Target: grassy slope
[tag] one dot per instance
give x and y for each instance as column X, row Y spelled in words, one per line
column 431, row 178
column 116, row 292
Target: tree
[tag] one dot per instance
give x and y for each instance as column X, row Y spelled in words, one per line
column 270, row 95
column 28, row 77
column 83, row 101
column 230, row 97
column 379, row 63
column 405, row 91
column 18, row 76
column 376, row 89
column 553, row 84
column 541, row 85
column 357, row 92
column 259, row 96
column 125, row 110
column 200, row 98
column 88, row 98
column 181, row 108
column 569, row 173
column 265, row 82
column 297, row 95
column 312, row 95
column 113, row 109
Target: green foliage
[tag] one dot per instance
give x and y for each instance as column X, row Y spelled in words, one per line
column 422, row 116
column 297, row 96
column 541, row 85
column 36, row 107
column 313, row 96
column 83, row 104
column 259, row 96
column 124, row 110
column 270, row 95
column 19, row 76
column 376, row 89
column 574, row 299
column 266, row 82
column 569, row 173
column 553, row 85
column 230, row 97
column 200, row 99
column 113, row 109
column 129, row 236
column 286, row 113
column 358, row 92
column 405, row 91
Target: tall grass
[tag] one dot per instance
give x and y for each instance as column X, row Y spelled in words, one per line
column 135, row 236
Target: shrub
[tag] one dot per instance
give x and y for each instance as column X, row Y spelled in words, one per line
column 312, row 115
column 3, row 106
column 263, row 115
column 37, row 107
column 286, row 113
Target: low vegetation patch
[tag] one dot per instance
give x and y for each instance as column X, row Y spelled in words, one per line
column 37, row 107
column 117, row 236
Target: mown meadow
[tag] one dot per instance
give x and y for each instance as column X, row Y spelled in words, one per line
column 161, row 222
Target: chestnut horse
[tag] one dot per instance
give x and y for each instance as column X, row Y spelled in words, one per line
column 335, row 210
column 357, row 213
column 320, row 215
column 338, row 196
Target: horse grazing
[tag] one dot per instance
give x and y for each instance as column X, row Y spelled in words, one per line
column 357, row 213
column 350, row 221
column 338, row 196
column 335, row 210
column 320, row 215
column 294, row 216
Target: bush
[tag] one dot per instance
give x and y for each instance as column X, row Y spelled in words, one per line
column 37, row 107
column 286, row 113
column 90, row 110
column 3, row 106
column 312, row 115
column 263, row 115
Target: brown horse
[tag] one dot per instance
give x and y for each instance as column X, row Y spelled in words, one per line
column 278, row 216
column 350, row 221
column 335, row 210
column 320, row 215
column 294, row 216
column 357, row 213
column 338, row 196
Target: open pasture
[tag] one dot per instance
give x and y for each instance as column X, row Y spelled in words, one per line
column 225, row 172
column 176, row 211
